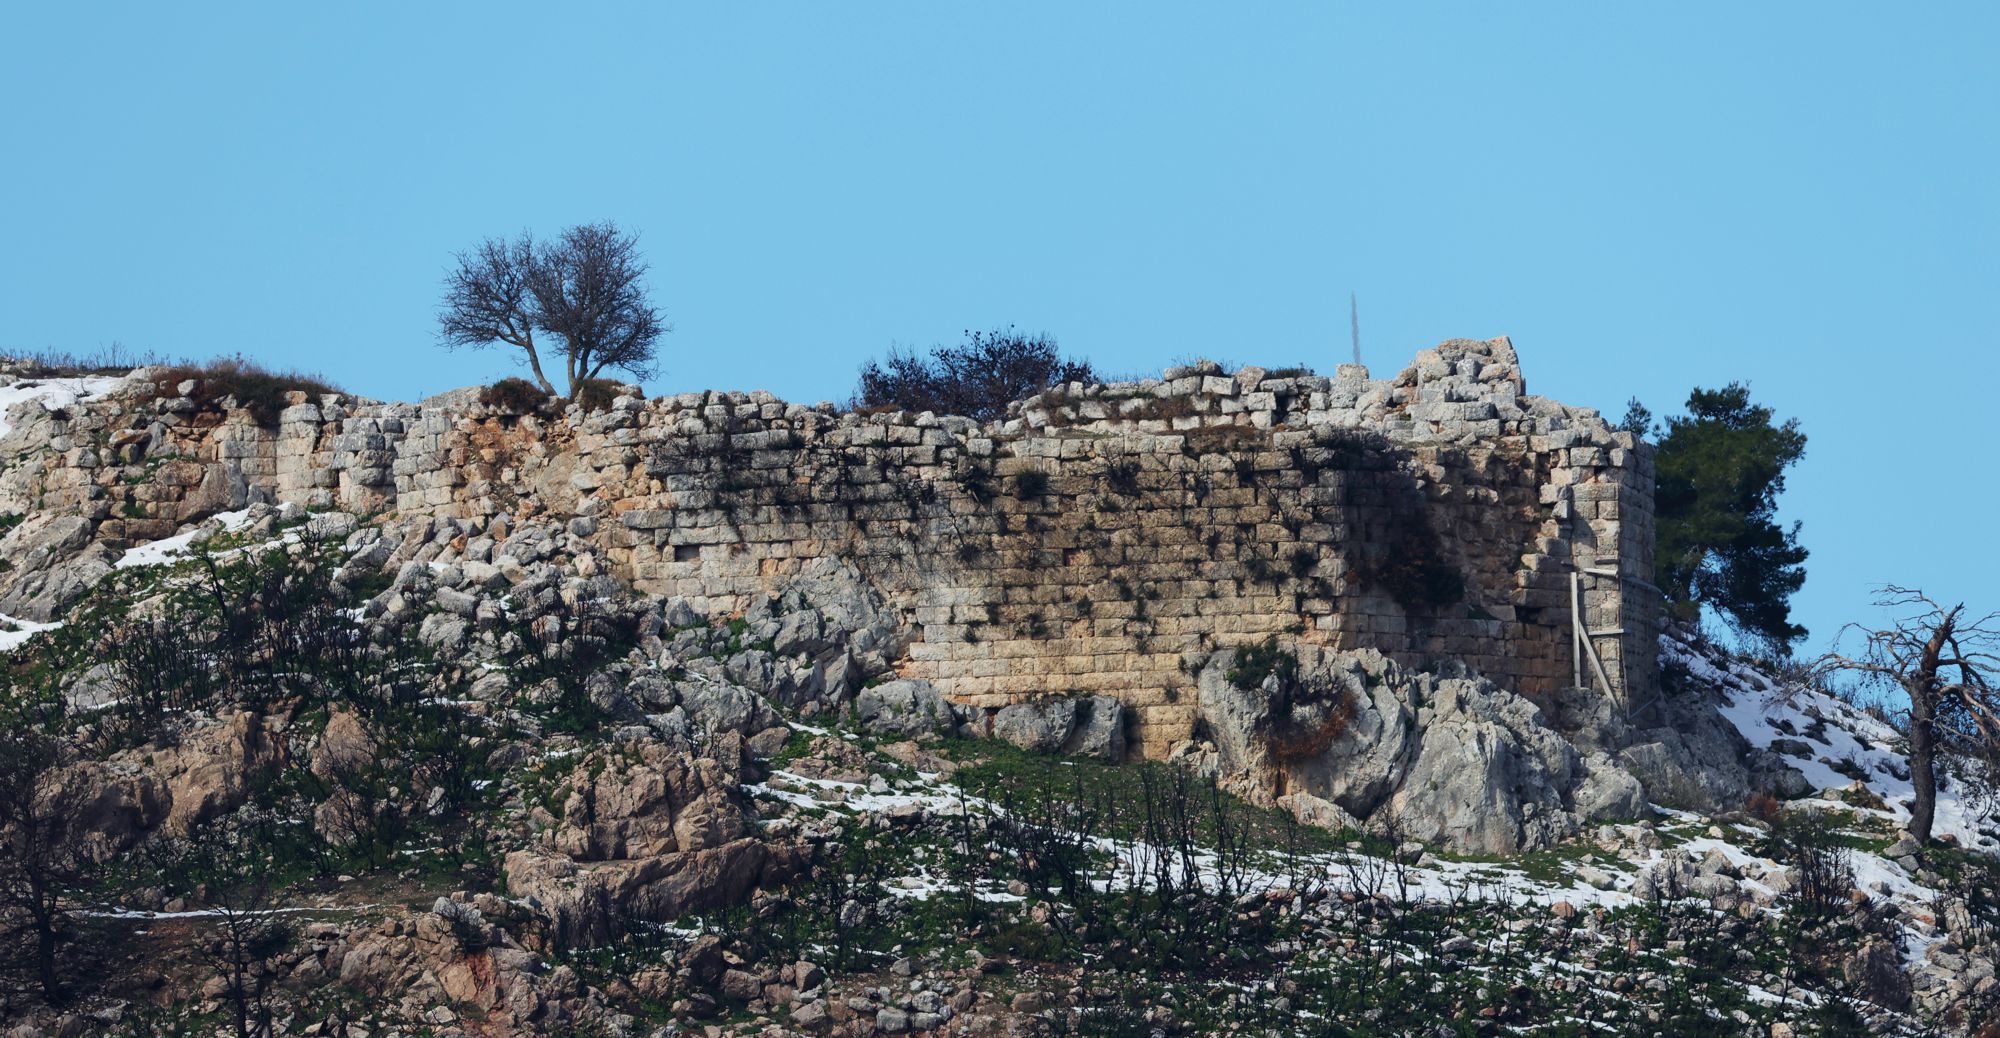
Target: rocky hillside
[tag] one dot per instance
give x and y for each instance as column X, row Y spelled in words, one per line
column 310, row 771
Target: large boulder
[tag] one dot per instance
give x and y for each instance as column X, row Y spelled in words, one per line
column 657, row 801
column 1698, row 761
column 716, row 707
column 1608, row 793
column 1487, row 777
column 212, row 771
column 644, row 834
column 1092, row 726
column 1452, row 758
column 53, row 560
column 907, row 707
column 1346, row 739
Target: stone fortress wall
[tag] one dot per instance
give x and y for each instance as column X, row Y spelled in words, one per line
column 1101, row 540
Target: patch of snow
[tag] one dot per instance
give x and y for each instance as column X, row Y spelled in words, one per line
column 52, row 393
column 168, row 549
column 1835, row 732
column 211, row 913
column 13, row 631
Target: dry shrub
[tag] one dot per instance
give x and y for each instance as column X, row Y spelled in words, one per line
column 594, row 394
column 255, row 388
column 516, row 396
column 977, row 379
column 1166, row 408
column 115, row 359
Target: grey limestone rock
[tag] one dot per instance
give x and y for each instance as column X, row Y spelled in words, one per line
column 1452, row 757
column 1608, row 792
column 716, row 706
column 1092, row 726
column 1487, row 777
column 906, row 707
column 52, row 560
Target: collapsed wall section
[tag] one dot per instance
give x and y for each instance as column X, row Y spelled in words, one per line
column 1102, row 540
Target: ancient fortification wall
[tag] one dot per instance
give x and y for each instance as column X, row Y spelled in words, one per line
column 1101, row 540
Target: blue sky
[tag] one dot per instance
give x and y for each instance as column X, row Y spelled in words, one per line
column 1802, row 196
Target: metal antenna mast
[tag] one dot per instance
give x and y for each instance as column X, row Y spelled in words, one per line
column 1354, row 321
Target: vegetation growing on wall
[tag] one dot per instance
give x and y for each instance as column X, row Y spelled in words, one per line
column 261, row 391
column 977, row 379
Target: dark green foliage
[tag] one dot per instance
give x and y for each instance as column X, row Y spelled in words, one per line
column 1720, row 470
column 977, row 379
column 1261, row 660
column 1638, row 419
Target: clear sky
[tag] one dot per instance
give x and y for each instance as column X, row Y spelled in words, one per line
column 1802, row 196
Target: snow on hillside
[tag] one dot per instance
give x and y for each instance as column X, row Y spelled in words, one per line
column 52, row 393
column 170, row 549
column 165, row 551
column 1845, row 753
column 1830, row 742
column 15, row 631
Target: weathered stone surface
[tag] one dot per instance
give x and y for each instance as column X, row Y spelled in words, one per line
column 663, row 802
column 903, row 707
column 1090, row 727
column 1451, row 758
column 210, row 771
column 1487, row 776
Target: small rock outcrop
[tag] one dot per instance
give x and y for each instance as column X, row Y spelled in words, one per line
column 1451, row 757
column 1092, row 726
column 645, row 833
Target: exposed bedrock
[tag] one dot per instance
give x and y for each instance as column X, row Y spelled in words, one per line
column 1448, row 758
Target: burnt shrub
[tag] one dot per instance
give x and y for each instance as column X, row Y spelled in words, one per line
column 977, row 379
column 1260, row 660
column 515, row 396
column 255, row 388
column 1122, row 477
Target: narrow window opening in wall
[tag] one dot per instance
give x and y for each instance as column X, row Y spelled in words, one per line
column 687, row 553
